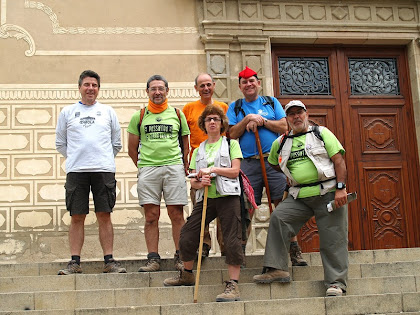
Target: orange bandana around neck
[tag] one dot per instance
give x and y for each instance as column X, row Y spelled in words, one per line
column 156, row 109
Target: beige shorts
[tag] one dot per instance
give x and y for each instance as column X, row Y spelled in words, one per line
column 168, row 179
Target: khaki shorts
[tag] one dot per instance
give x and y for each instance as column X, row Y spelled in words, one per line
column 167, row 179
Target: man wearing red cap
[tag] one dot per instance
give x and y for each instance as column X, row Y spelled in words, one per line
column 267, row 115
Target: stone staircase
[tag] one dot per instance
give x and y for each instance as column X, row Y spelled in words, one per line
column 380, row 282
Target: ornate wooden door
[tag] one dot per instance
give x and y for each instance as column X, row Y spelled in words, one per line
column 363, row 96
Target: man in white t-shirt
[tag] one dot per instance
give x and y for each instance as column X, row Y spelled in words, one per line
column 88, row 135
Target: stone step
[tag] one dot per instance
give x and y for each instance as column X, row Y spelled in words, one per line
column 207, row 277
column 393, row 303
column 215, row 262
column 124, row 297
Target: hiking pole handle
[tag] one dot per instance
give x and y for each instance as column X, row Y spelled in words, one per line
column 200, row 247
column 263, row 169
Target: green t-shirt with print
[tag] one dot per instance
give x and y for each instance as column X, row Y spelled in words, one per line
column 300, row 165
column 211, row 150
column 159, row 137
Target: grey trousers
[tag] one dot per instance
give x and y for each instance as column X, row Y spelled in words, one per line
column 286, row 221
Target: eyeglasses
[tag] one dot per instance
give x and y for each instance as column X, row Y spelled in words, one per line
column 209, row 119
column 160, row 89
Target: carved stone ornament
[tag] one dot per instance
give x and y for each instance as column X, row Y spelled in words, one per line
column 14, row 31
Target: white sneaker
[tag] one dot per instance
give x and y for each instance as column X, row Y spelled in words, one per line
column 334, row 291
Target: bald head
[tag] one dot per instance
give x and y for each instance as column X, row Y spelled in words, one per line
column 204, row 85
column 201, row 76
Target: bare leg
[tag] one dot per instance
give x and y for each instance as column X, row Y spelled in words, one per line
column 234, row 271
column 77, row 233
column 176, row 214
column 189, row 264
column 106, row 232
column 151, row 228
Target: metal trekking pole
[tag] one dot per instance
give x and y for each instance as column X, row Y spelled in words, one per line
column 200, row 247
column 263, row 169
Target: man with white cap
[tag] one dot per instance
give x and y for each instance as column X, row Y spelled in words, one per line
column 266, row 114
column 312, row 159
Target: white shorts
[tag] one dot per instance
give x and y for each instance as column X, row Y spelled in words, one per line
column 168, row 179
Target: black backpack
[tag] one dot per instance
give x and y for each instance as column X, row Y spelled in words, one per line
column 268, row 100
column 315, row 130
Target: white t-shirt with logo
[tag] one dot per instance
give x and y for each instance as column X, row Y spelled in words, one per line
column 89, row 137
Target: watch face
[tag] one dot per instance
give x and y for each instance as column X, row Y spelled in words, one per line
column 341, row 185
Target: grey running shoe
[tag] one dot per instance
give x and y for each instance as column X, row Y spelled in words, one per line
column 334, row 291
column 72, row 267
column 178, row 263
column 151, row 265
column 296, row 256
column 114, row 266
column 230, row 294
column 272, row 275
column 183, row 278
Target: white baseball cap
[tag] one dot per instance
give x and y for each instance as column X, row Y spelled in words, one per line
column 294, row 103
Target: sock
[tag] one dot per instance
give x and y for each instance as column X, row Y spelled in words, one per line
column 293, row 244
column 107, row 258
column 76, row 258
column 188, row 270
column 177, row 251
column 153, row 255
column 237, row 281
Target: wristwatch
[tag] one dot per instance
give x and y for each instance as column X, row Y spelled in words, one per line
column 265, row 121
column 340, row 185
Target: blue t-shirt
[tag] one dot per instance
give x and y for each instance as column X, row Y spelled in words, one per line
column 247, row 140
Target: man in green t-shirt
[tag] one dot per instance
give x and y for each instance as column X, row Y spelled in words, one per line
column 155, row 148
column 312, row 160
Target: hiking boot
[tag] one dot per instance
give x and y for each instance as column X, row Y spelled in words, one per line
column 178, row 263
column 114, row 266
column 152, row 265
column 72, row 267
column 183, row 278
column 296, row 256
column 230, row 294
column 272, row 275
column 334, row 291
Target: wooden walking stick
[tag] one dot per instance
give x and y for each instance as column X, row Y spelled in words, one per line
column 200, row 247
column 263, row 169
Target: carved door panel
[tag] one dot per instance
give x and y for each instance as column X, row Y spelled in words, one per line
column 377, row 100
column 364, row 98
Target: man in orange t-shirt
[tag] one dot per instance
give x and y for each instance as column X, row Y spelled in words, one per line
column 204, row 85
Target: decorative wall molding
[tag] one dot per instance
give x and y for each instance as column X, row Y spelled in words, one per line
column 14, row 31
column 79, row 30
column 303, row 12
column 68, row 92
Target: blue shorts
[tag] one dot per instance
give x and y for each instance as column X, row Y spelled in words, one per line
column 276, row 180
